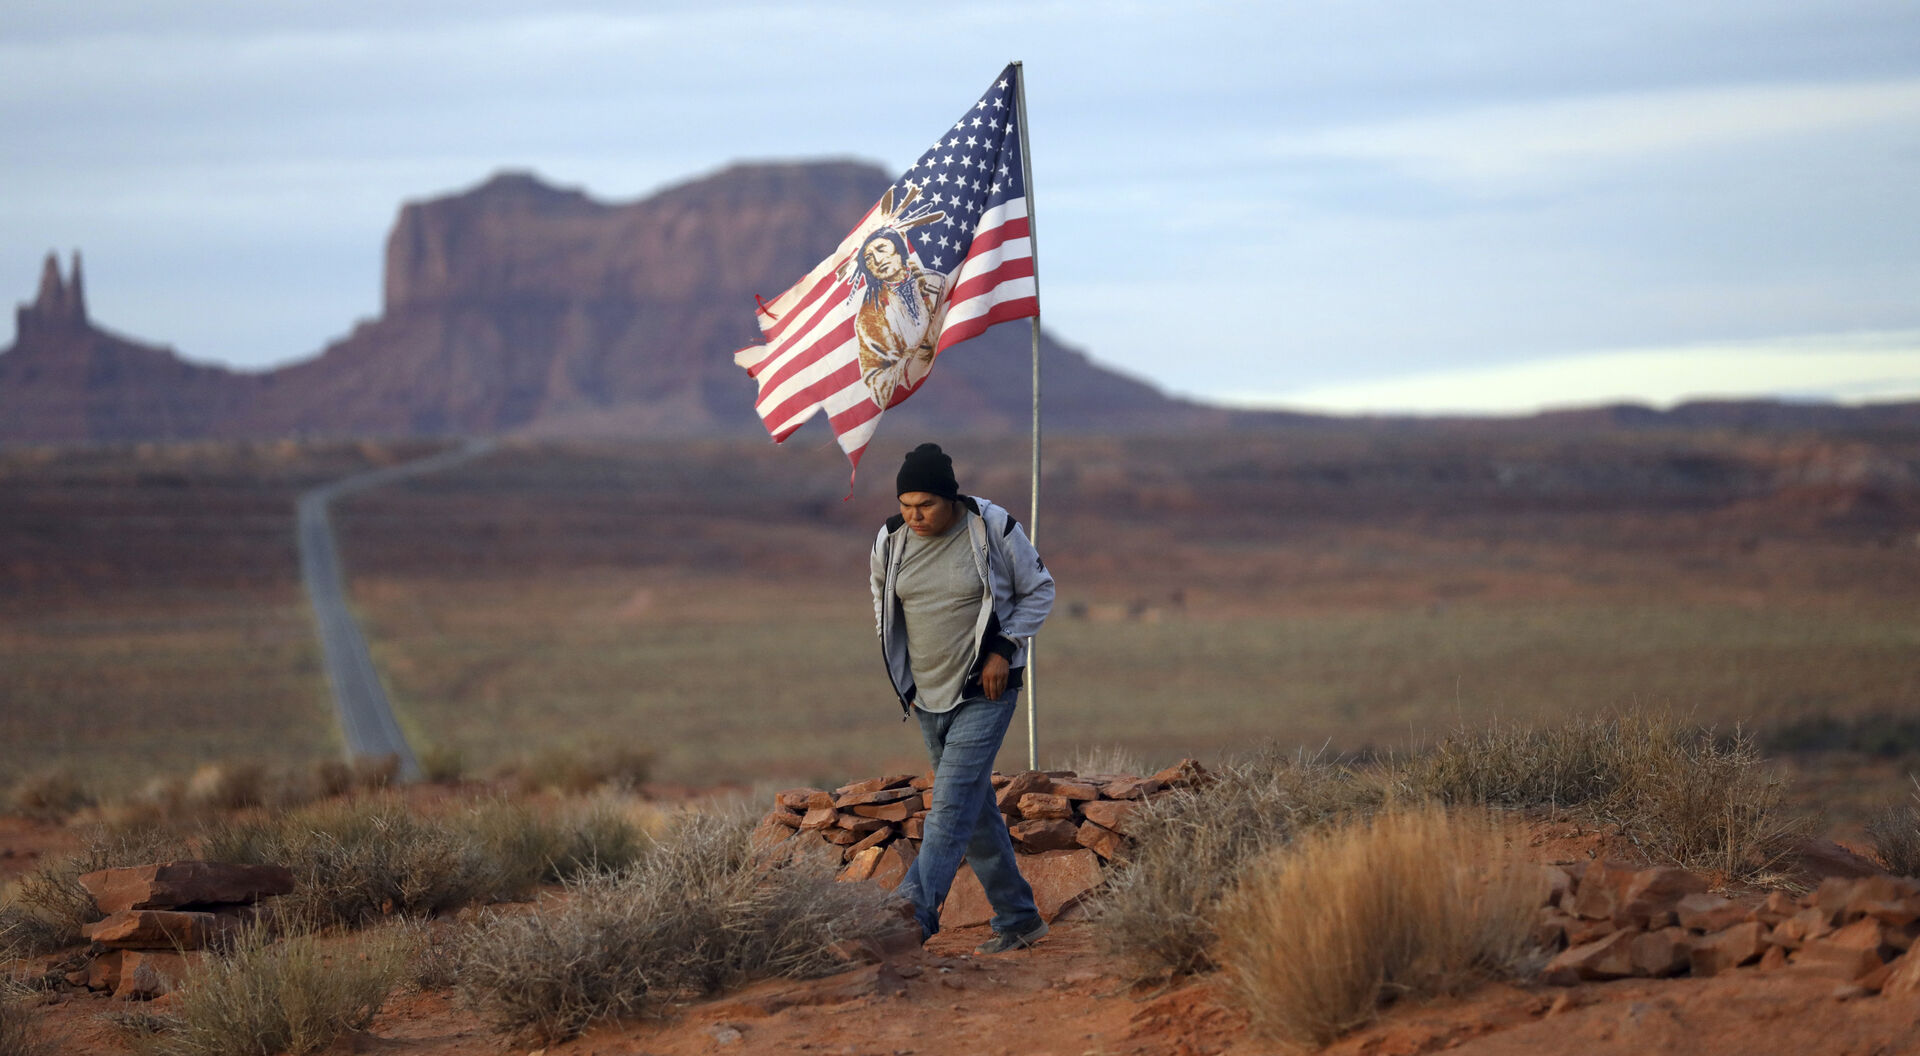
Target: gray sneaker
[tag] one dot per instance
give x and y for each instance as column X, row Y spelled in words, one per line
column 1003, row 941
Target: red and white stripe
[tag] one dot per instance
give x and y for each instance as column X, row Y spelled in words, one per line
column 811, row 361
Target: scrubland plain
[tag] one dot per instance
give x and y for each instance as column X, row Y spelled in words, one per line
column 1357, row 587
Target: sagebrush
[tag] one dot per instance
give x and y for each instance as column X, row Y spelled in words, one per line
column 1158, row 910
column 296, row 994
column 1410, row 903
column 700, row 913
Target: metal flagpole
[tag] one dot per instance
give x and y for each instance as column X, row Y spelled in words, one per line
column 1033, row 504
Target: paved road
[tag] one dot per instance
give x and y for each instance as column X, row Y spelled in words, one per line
column 365, row 716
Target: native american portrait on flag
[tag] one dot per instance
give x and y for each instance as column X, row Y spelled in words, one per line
column 945, row 253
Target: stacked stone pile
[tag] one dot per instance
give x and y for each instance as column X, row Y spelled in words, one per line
column 873, row 827
column 158, row 917
column 1612, row 922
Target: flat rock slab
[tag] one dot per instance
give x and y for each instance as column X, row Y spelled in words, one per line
column 173, row 885
column 155, row 929
column 1060, row 879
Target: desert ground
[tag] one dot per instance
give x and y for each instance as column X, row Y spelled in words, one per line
column 1345, row 593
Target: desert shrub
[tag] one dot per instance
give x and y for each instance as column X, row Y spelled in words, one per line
column 332, row 777
column 1681, row 792
column 16, row 1036
column 571, row 770
column 442, row 764
column 296, row 995
column 1895, row 835
column 530, row 847
column 372, row 773
column 1158, row 910
column 228, row 786
column 49, row 795
column 355, row 861
column 1881, row 734
column 1104, row 759
column 698, row 914
column 1411, row 903
column 26, row 932
column 48, row 905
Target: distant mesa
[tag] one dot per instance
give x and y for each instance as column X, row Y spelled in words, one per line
column 517, row 306
column 521, row 307
column 61, row 305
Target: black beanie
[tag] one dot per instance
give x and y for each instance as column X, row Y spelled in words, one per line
column 927, row 469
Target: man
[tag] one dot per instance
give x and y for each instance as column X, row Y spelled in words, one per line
column 957, row 589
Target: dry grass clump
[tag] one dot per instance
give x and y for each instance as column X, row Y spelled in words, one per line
column 358, row 860
column 355, row 861
column 16, row 1037
column 295, row 995
column 1895, row 835
column 49, row 795
column 699, row 914
column 532, row 847
column 1683, row 793
column 47, row 906
column 1413, row 903
column 577, row 772
column 1158, row 912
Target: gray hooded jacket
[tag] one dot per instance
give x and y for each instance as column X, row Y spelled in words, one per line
column 1016, row 595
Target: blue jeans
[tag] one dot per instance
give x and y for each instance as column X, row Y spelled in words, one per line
column 964, row 822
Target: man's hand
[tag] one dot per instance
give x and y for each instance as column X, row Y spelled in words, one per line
column 993, row 676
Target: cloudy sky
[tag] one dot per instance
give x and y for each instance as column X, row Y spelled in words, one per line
column 1343, row 206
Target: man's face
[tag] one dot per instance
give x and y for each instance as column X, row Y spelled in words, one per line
column 927, row 513
column 884, row 261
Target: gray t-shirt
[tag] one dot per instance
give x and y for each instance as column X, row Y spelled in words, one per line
column 940, row 592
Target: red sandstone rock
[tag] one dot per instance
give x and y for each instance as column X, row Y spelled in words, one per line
column 1078, row 791
column 152, row 929
column 897, row 811
column 874, row 839
column 923, row 782
column 877, row 795
column 1019, row 785
column 103, row 972
column 1046, row 834
column 1658, row 954
column 1831, row 958
column 1186, row 772
column 1102, row 841
column 1559, row 885
column 1060, row 879
column 840, row 836
column 860, row 866
column 1600, row 891
column 1704, row 912
column 172, row 885
column 784, row 817
column 797, row 799
column 819, row 798
column 873, row 784
column 895, row 859
column 147, row 974
column 1652, row 892
column 1904, row 977
column 1606, row 958
column 914, row 827
column 1113, row 814
column 1130, row 788
column 1738, row 945
column 1778, row 907
column 1042, row 805
column 819, row 818
column 856, row 823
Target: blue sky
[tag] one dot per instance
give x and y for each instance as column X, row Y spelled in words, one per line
column 1333, row 206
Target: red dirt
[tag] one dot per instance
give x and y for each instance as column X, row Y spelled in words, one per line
column 1068, row 998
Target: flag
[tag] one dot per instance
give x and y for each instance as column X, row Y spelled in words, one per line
column 945, row 253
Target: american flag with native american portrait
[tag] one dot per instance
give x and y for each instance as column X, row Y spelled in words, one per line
column 945, row 253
